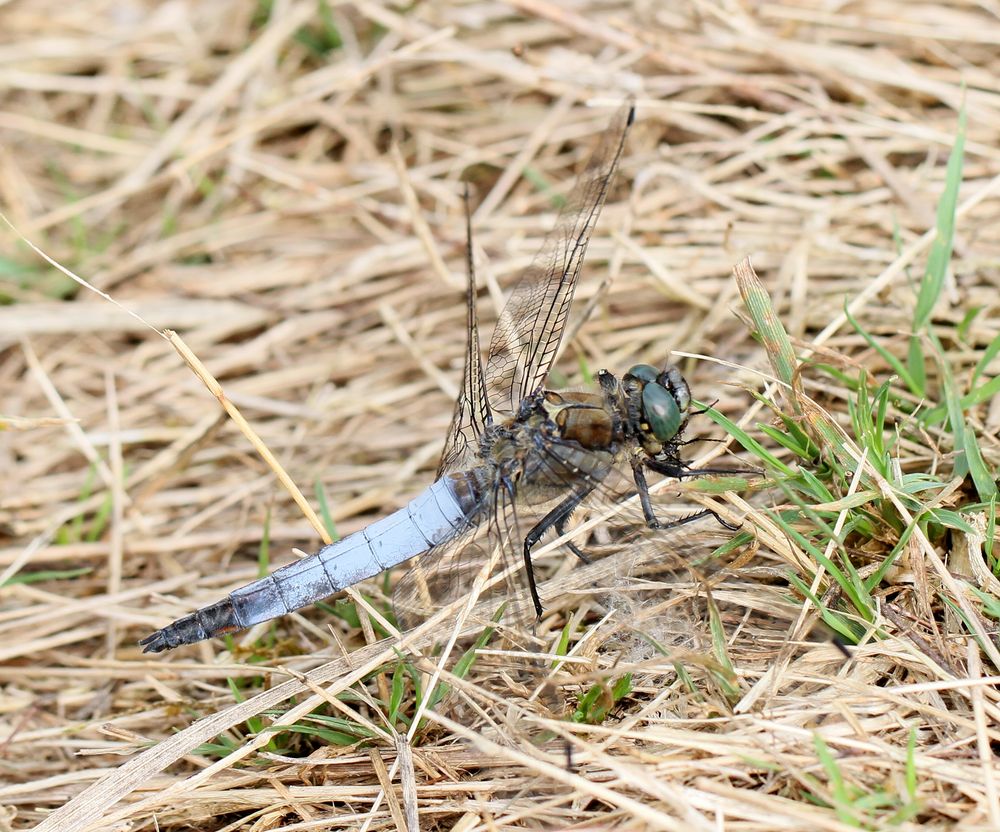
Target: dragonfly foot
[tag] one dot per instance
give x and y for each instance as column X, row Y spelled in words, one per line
column 656, row 525
column 576, row 550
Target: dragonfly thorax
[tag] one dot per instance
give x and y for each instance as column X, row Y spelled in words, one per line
column 584, row 418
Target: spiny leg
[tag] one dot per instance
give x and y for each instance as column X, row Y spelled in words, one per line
column 672, row 466
column 532, row 588
column 643, row 487
column 679, row 470
column 507, row 487
column 647, row 505
column 557, row 518
column 569, row 544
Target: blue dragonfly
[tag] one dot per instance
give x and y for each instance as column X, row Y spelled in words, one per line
column 515, row 449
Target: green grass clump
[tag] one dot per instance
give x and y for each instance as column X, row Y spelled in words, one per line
column 853, row 499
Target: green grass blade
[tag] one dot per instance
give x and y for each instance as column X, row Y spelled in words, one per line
column 846, row 629
column 969, row 626
column 898, row 367
column 991, row 351
column 814, row 487
column 333, row 737
column 991, row 604
column 464, row 664
column 940, row 254
column 950, row 520
column 980, row 395
column 73, row 531
column 956, row 421
column 264, row 550
column 767, row 324
column 911, row 765
column 23, row 578
column 396, row 689
column 962, row 330
column 875, row 579
column 324, row 511
column 598, row 701
column 562, row 646
column 916, row 364
column 787, row 440
column 720, row 649
column 838, row 788
column 748, row 442
column 101, row 518
column 991, row 528
column 981, row 477
column 846, row 578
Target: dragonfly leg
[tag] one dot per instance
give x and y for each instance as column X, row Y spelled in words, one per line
column 532, row 588
column 647, row 505
column 643, row 488
column 673, row 467
column 556, row 518
column 569, row 544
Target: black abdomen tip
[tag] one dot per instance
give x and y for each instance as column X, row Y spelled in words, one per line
column 214, row 620
column 155, row 643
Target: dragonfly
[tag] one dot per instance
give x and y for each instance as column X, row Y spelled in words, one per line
column 514, row 449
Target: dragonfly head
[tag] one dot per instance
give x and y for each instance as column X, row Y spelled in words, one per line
column 657, row 403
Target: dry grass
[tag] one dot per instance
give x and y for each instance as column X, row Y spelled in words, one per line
column 231, row 174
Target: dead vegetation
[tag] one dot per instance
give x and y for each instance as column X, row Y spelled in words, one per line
column 280, row 183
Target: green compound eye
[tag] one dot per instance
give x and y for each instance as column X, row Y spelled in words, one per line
column 644, row 372
column 661, row 411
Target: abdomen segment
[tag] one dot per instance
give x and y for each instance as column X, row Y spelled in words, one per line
column 429, row 519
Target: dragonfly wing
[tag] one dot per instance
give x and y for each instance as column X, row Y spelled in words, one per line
column 490, row 553
column 530, row 327
column 558, row 478
column 472, row 409
column 652, row 577
column 596, row 486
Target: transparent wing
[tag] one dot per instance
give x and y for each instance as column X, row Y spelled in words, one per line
column 661, row 586
column 425, row 586
column 472, row 410
column 671, row 591
column 594, row 486
column 441, row 576
column 530, row 327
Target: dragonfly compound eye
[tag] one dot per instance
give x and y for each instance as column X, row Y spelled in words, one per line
column 644, row 372
column 662, row 411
